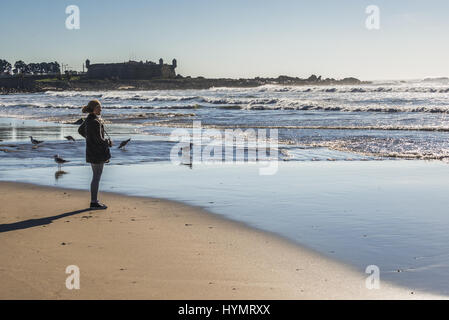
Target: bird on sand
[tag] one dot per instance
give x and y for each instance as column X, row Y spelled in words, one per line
column 60, row 161
column 70, row 138
column 35, row 142
column 124, row 143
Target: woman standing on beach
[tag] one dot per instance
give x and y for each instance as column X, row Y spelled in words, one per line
column 97, row 148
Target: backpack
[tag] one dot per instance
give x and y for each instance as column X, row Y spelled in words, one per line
column 82, row 129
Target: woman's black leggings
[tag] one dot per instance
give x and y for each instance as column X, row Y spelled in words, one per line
column 97, row 170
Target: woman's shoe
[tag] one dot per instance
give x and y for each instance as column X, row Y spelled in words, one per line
column 97, row 206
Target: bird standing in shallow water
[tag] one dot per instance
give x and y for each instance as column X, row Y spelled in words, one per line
column 70, row 138
column 124, row 143
column 60, row 161
column 35, row 142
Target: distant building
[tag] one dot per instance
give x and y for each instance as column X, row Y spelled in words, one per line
column 131, row 70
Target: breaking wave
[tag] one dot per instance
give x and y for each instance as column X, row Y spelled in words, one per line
column 253, row 105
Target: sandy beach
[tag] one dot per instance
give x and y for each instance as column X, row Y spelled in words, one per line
column 145, row 248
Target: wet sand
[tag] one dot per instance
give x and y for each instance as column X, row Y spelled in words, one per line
column 146, row 248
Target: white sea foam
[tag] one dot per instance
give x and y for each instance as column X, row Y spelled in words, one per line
column 361, row 119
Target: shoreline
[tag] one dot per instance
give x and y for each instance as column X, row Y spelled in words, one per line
column 118, row 259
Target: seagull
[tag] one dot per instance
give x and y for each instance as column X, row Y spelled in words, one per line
column 70, row 138
column 35, row 142
column 59, row 161
column 124, row 143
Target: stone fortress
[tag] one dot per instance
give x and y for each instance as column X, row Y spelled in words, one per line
column 132, row 70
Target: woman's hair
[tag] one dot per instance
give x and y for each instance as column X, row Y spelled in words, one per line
column 91, row 106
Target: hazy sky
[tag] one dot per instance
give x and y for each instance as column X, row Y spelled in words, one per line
column 246, row 38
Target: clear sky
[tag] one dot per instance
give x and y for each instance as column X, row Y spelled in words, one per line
column 229, row 38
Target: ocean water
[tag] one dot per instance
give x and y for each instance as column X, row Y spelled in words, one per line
column 346, row 185
column 384, row 120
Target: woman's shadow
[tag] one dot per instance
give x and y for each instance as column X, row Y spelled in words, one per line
column 37, row 222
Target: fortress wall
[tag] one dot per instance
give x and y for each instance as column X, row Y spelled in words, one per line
column 130, row 71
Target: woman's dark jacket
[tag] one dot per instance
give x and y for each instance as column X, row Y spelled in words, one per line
column 97, row 148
